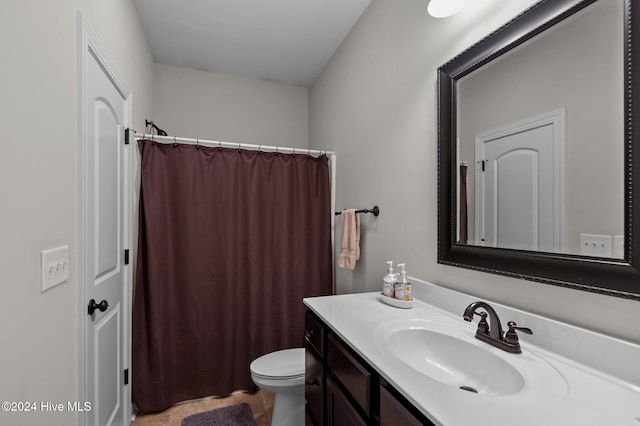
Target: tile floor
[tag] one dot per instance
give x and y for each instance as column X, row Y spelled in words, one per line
column 261, row 404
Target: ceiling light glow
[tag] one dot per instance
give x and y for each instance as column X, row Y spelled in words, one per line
column 444, row 8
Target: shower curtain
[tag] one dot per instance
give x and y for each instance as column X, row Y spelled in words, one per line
column 230, row 241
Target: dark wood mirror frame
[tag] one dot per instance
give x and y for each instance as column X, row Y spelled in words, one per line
column 614, row 277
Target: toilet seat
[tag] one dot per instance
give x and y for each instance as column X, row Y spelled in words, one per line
column 285, row 364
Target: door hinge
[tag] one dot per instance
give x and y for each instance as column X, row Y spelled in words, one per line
column 126, row 257
column 126, row 136
column 482, row 164
column 126, row 376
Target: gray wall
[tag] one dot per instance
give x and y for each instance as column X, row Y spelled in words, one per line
column 38, row 185
column 198, row 104
column 375, row 105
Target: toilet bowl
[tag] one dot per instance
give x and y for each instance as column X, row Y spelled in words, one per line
column 282, row 373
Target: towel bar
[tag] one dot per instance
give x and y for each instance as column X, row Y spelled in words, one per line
column 375, row 210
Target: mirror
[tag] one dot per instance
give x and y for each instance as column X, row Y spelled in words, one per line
column 535, row 136
column 548, row 173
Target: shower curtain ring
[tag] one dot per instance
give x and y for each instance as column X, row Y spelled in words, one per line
column 175, row 143
column 197, row 143
column 238, row 146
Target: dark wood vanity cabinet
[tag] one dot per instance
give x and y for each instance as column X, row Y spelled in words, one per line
column 396, row 411
column 315, row 376
column 344, row 390
column 314, row 386
column 351, row 373
column 340, row 410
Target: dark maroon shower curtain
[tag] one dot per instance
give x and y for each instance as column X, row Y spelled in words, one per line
column 230, row 241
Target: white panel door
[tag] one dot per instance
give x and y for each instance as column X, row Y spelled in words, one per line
column 104, row 232
column 519, row 178
column 517, row 213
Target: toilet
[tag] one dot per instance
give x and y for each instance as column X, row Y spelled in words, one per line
column 282, row 373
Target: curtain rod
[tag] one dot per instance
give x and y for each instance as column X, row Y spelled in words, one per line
column 205, row 142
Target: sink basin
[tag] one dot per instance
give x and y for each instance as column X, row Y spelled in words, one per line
column 451, row 355
column 455, row 362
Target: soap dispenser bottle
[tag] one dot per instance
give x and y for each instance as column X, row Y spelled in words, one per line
column 403, row 287
column 389, row 281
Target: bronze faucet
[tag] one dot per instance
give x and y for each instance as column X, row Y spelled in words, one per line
column 491, row 332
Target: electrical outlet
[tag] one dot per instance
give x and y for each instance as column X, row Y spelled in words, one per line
column 618, row 247
column 54, row 267
column 595, row 245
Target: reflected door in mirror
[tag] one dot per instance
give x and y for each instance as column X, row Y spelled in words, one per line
column 520, row 185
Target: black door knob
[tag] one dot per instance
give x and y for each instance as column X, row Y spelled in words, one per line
column 102, row 306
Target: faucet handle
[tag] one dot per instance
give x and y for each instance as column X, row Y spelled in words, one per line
column 483, row 325
column 511, row 336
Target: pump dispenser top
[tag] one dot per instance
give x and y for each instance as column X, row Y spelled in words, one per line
column 403, row 273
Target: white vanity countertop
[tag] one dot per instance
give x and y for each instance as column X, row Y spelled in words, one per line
column 585, row 395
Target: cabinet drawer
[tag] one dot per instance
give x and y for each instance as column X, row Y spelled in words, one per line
column 340, row 412
column 350, row 372
column 314, row 333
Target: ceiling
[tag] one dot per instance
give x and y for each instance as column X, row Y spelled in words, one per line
column 285, row 41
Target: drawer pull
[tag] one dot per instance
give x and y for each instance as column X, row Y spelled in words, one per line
column 314, row 382
column 309, row 333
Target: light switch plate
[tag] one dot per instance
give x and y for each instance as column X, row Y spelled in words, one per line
column 54, row 267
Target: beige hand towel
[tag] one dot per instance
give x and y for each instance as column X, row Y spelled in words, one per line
column 350, row 244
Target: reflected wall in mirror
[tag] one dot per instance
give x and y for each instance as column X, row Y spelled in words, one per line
column 535, row 137
column 541, row 132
